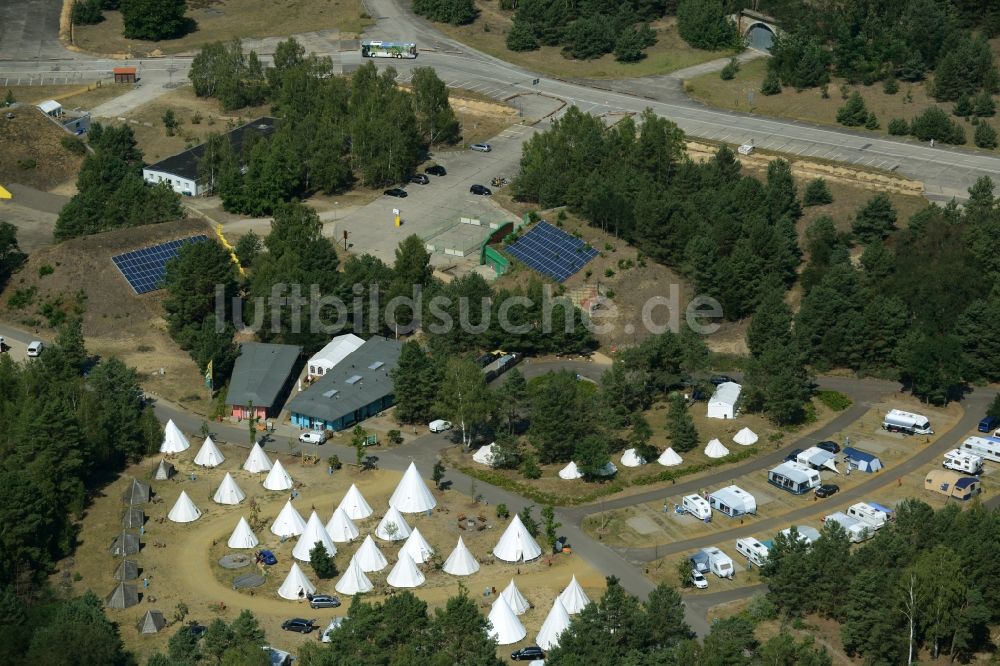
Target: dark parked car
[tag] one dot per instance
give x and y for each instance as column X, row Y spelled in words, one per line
column 481, row 190
column 420, row 179
column 196, row 630
column 299, row 625
column 436, row 170
column 323, row 601
column 832, row 447
column 529, row 653
column 793, row 456
column 485, row 360
column 396, row 192
column 720, row 379
column 267, row 557
column 827, row 489
column 989, row 423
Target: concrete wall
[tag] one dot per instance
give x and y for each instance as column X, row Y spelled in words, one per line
column 179, row 185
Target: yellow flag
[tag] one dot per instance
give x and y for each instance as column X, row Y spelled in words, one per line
column 208, row 375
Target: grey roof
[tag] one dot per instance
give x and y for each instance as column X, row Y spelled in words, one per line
column 136, row 493
column 185, row 165
column 151, row 622
column 125, row 544
column 164, row 471
column 127, row 570
column 123, row 596
column 331, row 396
column 260, row 373
column 133, row 518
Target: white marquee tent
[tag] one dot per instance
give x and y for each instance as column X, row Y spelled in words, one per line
column 573, row 598
column 354, row 504
column 517, row 544
column 289, row 522
column 229, row 492
column 418, row 548
column 669, row 458
column 369, row 557
column 715, row 449
column 341, row 528
column 461, row 562
column 745, row 437
column 405, row 573
column 296, row 585
column 632, row 459
column 174, row 440
column 504, row 625
column 314, row 533
column 278, row 478
column 556, row 622
column 412, row 494
column 243, row 536
column 184, row 510
column 209, row 454
column 570, row 472
column 722, row 404
column 354, row 581
column 257, row 461
column 484, row 456
column 517, row 602
column 387, row 533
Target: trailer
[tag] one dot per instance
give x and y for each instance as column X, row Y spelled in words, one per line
column 963, row 461
column 794, row 477
column 802, row 533
column 752, row 549
column 855, row 529
column 697, row 506
column 908, row 423
column 868, row 515
column 719, row 563
column 984, row 447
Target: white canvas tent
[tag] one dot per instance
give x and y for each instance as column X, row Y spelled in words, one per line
column 722, row 404
column 412, row 495
column 386, row 532
column 745, row 437
column 484, row 456
column 573, row 598
column 296, row 585
column 570, row 471
column 504, row 625
column 314, row 533
column 174, row 440
column 405, row 573
column 369, row 557
column 517, row 602
column 289, row 522
column 278, row 478
column 354, row 581
column 243, row 536
column 228, row 492
column 354, row 504
column 184, row 510
column 209, row 454
column 818, row 458
column 418, row 548
column 715, row 449
column 632, row 459
column 341, row 528
column 517, row 544
column 257, row 461
column 669, row 458
column 733, row 501
column 556, row 622
column 461, row 562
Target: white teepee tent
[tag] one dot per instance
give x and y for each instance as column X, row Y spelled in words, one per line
column 354, row 504
column 573, row 598
column 387, row 533
column 412, row 494
column 229, row 492
column 669, row 458
column 314, row 533
column 418, row 548
column 289, row 522
column 484, row 456
column 461, row 562
column 354, row 581
column 570, row 471
column 209, row 454
column 715, row 449
column 243, row 536
column 184, row 510
column 405, row 573
column 504, row 625
column 278, row 478
column 632, row 459
column 340, row 528
column 174, row 440
column 296, row 585
column 515, row 599
column 257, row 461
column 745, row 437
column 369, row 557
column 555, row 623
column 517, row 544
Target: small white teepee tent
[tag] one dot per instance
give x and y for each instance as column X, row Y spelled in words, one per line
column 555, row 623
column 461, row 562
column 405, row 573
column 209, row 454
column 505, row 627
column 354, row 504
column 632, row 459
column 570, row 471
column 229, row 492
column 669, row 458
column 354, row 581
column 296, row 585
column 313, row 534
column 174, row 440
column 418, row 548
column 278, row 478
column 184, row 510
column 745, row 437
column 715, row 449
column 243, row 536
column 369, row 557
column 257, row 461
column 484, row 456
column 387, row 533
column 412, row 494
column 289, row 522
column 517, row 544
column 573, row 598
column 515, row 599
column 340, row 528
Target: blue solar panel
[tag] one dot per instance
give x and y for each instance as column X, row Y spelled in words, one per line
column 144, row 269
column 552, row 252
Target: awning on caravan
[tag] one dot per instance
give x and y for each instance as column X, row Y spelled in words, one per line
column 818, row 458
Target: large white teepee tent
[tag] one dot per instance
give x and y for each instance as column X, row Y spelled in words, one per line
column 484, row 456
column 229, row 492
column 278, row 478
column 289, row 522
column 243, row 536
column 174, row 440
column 745, row 437
column 669, row 458
column 715, row 449
column 354, row 581
column 573, row 598
column 314, row 533
column 412, row 494
column 354, row 504
column 184, row 510
column 369, row 557
column 517, row 544
column 515, row 599
column 340, row 528
column 405, row 573
column 296, row 585
column 570, row 472
column 505, row 627
column 257, row 461
column 632, row 459
column 209, row 454
column 392, row 517
column 418, row 548
column 461, row 562
column 556, row 622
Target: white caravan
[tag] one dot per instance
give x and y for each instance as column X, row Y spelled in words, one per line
column 868, row 515
column 963, row 461
column 855, row 529
column 697, row 506
column 984, row 447
column 753, row 550
column 719, row 563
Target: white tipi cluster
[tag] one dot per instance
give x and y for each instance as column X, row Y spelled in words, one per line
column 393, row 526
column 417, row 547
column 289, row 522
column 354, row 504
column 573, row 598
column 461, row 562
column 669, row 458
column 405, row 573
column 745, row 437
column 515, row 599
column 296, row 585
column 369, row 557
column 504, row 625
column 278, row 478
column 632, row 459
column 354, row 581
column 556, row 622
column 243, row 536
column 715, row 449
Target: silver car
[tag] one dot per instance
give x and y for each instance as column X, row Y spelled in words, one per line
column 481, row 147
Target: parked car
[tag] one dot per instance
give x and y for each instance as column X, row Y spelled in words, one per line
column 35, row 348
column 481, row 190
column 436, row 170
column 299, row 625
column 396, row 192
column 420, row 179
column 481, row 147
column 720, row 379
column 313, row 437
column 439, row 425
column 698, row 580
column 530, row 653
column 793, row 456
column 267, row 557
column 989, row 423
column 195, row 630
column 827, row 489
column 830, row 446
column 324, row 601
column 486, row 359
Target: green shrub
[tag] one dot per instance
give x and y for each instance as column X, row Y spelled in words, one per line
column 771, row 84
column 817, row 193
column 835, row 400
column 899, row 127
column 22, row 298
column 44, row 270
column 853, row 113
column 935, row 124
column 963, row 107
column 890, row 86
column 27, row 164
column 503, row 513
column 984, row 106
column 530, row 468
column 728, row 72
column 985, row 136
column 872, row 122
column 73, row 145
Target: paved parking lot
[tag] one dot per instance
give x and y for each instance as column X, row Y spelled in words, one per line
column 29, row 29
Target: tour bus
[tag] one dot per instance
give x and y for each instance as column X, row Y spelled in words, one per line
column 379, row 49
column 984, row 447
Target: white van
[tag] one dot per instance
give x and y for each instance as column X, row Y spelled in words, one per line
column 868, row 515
column 753, row 550
column 439, row 425
column 963, row 461
column 697, row 506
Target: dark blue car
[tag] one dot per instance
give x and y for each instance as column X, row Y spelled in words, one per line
column 267, row 557
column 989, row 424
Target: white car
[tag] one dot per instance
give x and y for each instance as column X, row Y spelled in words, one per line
column 439, row 425
column 481, row 147
column 313, row 437
column 35, row 348
column 698, row 580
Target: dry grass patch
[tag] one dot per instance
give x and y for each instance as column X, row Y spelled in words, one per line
column 70, row 96
column 32, row 150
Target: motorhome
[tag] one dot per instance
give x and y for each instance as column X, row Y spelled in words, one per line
column 868, row 515
column 719, row 563
column 855, row 529
column 963, row 461
column 697, row 506
column 908, row 423
column 794, row 477
column 753, row 550
column 984, row 447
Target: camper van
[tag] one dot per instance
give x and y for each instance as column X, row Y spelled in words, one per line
column 906, row 422
column 984, row 447
column 753, row 550
column 963, row 461
column 719, row 563
column 697, row 506
column 868, row 515
column 855, row 529
column 794, row 477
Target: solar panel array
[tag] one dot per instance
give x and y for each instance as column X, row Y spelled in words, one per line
column 144, row 268
column 552, row 251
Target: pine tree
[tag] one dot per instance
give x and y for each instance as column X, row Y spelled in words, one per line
column 416, row 381
column 321, row 562
column 817, row 193
column 963, row 107
column 853, row 113
column 985, row 136
column 984, row 106
column 680, row 426
column 155, row 19
column 771, row 323
column 771, row 84
column 875, row 220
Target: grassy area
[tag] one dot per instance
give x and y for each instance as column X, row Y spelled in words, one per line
column 234, row 18
column 488, row 33
column 85, row 96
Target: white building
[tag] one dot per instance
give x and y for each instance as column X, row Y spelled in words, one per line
column 722, row 404
column 333, row 353
column 50, row 107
